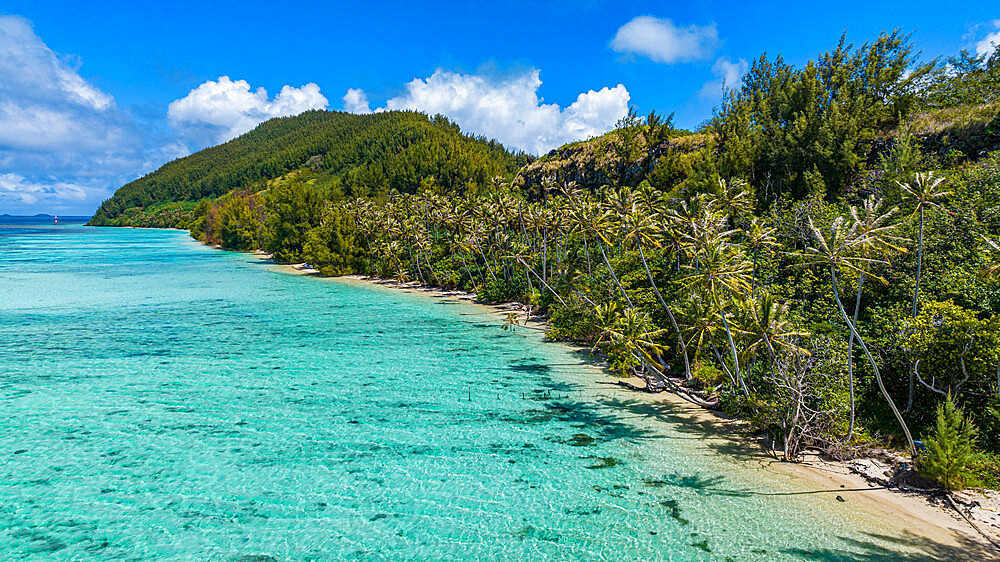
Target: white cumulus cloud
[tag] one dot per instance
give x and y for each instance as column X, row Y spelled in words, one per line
column 987, row 45
column 661, row 41
column 508, row 108
column 64, row 143
column 223, row 109
column 44, row 102
column 356, row 101
column 728, row 75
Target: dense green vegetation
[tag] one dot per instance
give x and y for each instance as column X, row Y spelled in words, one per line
column 951, row 446
column 350, row 154
column 821, row 259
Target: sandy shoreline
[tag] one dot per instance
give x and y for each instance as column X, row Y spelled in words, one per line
column 916, row 519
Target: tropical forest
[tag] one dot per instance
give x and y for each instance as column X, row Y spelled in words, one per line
column 819, row 258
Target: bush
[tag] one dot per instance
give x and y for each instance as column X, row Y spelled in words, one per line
column 502, row 290
column 950, row 447
column 708, row 375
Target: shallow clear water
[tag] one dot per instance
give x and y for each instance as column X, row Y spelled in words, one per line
column 164, row 400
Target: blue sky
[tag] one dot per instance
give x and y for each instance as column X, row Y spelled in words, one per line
column 94, row 95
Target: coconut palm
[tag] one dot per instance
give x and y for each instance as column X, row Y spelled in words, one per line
column 586, row 216
column 770, row 328
column 734, row 199
column 758, row 238
column 876, row 236
column 838, row 252
column 924, row 194
column 700, row 324
column 722, row 273
column 642, row 227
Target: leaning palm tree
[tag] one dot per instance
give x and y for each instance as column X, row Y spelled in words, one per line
column 924, row 194
column 643, row 228
column 586, row 216
column 701, row 325
column 838, row 252
column 722, row 273
column 876, row 237
column 631, row 335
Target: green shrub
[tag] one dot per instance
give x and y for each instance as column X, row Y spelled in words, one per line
column 708, row 374
column 986, row 468
column 950, row 447
column 502, row 290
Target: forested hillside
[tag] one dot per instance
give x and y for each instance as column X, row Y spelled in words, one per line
column 821, row 259
column 352, row 154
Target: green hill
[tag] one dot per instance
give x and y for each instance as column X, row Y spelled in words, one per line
column 357, row 154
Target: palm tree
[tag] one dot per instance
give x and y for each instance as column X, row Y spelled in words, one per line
column 837, row 252
column 734, row 199
column 759, row 237
column 876, row 236
column 925, row 193
column 722, row 273
column 701, row 323
column 589, row 217
column 640, row 225
column 770, row 327
column 631, row 335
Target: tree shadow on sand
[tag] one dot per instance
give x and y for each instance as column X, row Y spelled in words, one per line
column 707, row 485
column 606, row 424
column 707, row 430
column 908, row 548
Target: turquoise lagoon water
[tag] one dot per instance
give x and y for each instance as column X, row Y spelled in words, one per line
column 163, row 400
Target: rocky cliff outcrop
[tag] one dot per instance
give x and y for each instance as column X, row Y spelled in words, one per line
column 597, row 162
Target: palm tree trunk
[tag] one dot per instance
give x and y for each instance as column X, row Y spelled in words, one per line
column 732, row 348
column 850, row 358
column 674, row 388
column 419, row 272
column 920, row 261
column 613, row 276
column 430, row 271
column 555, row 294
column 874, row 366
column 916, row 293
column 487, row 262
column 718, row 357
column 469, row 271
column 586, row 250
column 677, row 329
column 545, row 255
